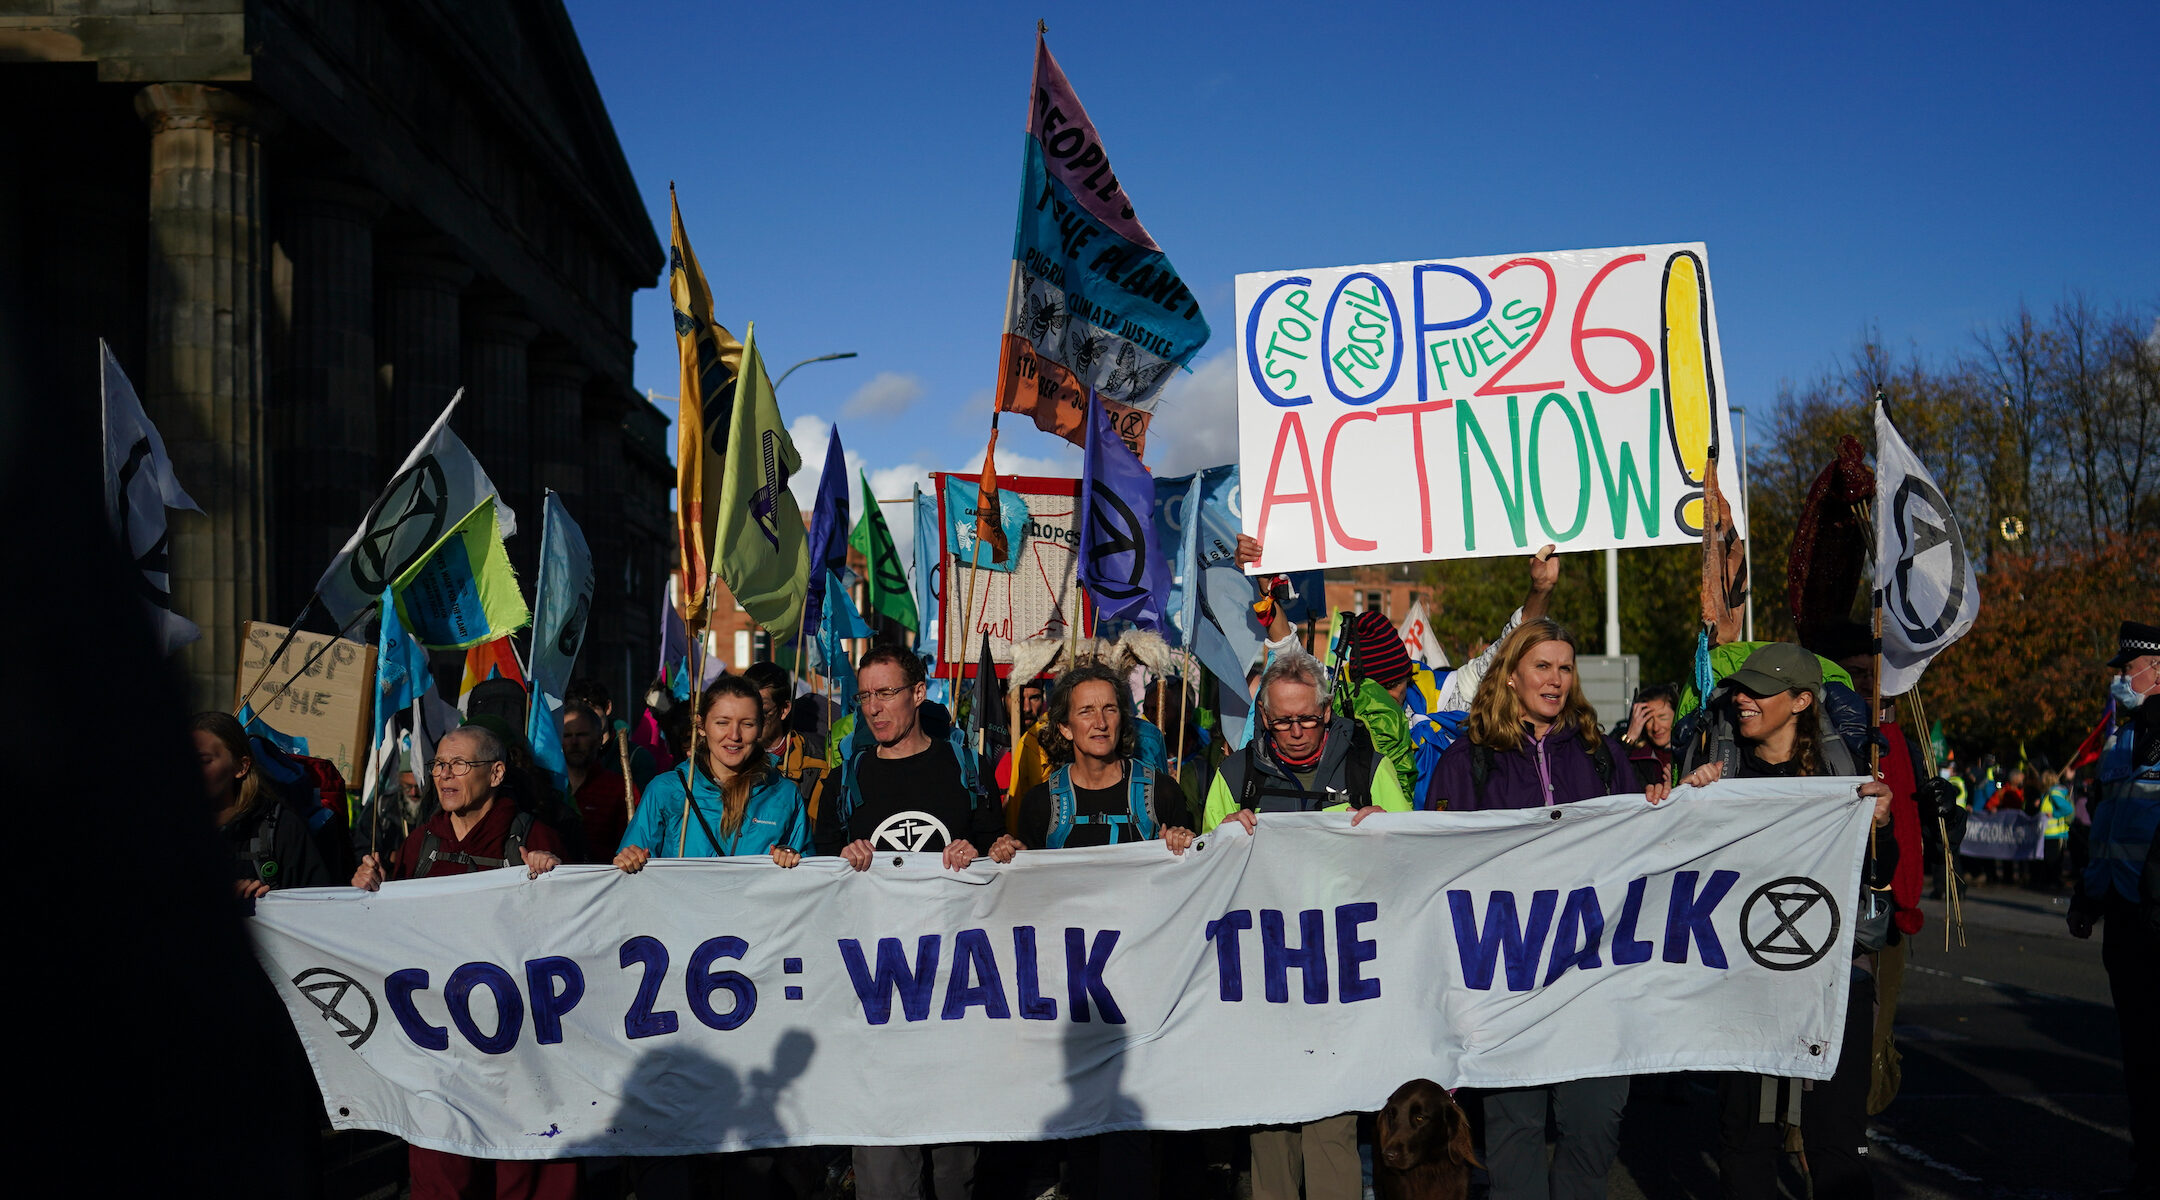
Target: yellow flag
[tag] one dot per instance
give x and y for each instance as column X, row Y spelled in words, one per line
column 711, row 359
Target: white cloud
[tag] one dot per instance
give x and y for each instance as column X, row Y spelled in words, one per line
column 1195, row 422
column 888, row 394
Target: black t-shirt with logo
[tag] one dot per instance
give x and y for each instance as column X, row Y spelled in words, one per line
column 920, row 803
column 1036, row 806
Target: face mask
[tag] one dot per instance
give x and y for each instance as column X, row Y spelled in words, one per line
column 2126, row 697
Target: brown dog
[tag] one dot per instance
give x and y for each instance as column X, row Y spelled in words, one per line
column 1422, row 1148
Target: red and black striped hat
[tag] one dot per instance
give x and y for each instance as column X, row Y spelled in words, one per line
column 1381, row 655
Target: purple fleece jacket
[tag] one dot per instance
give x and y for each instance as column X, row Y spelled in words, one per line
column 1555, row 771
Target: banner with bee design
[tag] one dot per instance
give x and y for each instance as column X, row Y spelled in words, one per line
column 1094, row 302
column 1460, row 408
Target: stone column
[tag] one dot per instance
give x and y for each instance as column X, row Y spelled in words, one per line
column 325, row 464
column 208, row 260
column 602, row 520
column 418, row 344
column 494, row 416
column 556, row 424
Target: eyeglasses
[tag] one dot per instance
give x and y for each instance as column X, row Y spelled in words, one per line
column 456, row 767
column 1286, row 724
column 862, row 698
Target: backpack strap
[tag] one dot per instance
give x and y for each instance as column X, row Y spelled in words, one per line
column 1601, row 758
column 1358, row 764
column 1062, row 807
column 262, row 848
column 1249, row 788
column 1481, row 765
column 514, row 841
column 431, row 851
column 1140, row 800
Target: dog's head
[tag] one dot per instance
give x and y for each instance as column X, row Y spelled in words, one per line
column 1422, row 1124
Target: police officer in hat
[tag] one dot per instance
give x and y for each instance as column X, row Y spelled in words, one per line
column 2126, row 810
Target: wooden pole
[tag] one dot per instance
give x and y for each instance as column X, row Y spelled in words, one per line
column 629, row 794
column 1177, row 745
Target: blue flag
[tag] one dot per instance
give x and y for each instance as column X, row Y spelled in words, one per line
column 1196, row 516
column 401, row 678
column 828, row 531
column 841, row 622
column 564, row 601
column 674, row 650
column 961, row 495
column 926, row 574
column 1120, row 563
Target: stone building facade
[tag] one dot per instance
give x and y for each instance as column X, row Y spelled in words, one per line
column 302, row 225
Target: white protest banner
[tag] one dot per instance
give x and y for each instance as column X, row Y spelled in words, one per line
column 1469, row 407
column 1035, row 598
column 1296, row 973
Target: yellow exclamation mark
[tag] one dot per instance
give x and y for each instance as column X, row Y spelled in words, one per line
column 1690, row 390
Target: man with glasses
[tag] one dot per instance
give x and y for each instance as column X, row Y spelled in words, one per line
column 1303, row 758
column 905, row 790
column 476, row 828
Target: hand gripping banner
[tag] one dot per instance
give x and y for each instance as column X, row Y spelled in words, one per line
column 1303, row 971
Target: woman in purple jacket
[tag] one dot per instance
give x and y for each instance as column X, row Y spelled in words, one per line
column 1532, row 742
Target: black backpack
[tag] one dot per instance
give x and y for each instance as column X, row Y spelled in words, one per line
column 1357, row 767
column 513, row 847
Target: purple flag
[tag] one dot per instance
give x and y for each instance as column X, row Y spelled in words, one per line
column 828, row 532
column 1120, row 565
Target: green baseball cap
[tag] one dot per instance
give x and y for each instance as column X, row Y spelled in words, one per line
column 1778, row 667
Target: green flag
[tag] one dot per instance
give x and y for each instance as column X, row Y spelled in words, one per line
column 764, row 558
column 462, row 592
column 872, row 538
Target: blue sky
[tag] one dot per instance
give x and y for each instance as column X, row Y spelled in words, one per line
column 849, row 174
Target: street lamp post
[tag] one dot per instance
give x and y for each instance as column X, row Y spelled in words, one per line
column 806, row 362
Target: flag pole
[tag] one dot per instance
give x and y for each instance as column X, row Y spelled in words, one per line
column 1177, row 747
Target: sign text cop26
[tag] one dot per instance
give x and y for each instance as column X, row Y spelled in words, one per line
column 1480, row 406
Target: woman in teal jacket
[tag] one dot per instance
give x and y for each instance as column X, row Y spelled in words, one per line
column 742, row 804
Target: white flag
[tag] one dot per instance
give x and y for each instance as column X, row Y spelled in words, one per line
column 139, row 487
column 1418, row 639
column 440, row 482
column 1924, row 579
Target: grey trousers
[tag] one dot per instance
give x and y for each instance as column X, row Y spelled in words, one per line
column 1587, row 1112
column 895, row 1172
column 1321, row 1155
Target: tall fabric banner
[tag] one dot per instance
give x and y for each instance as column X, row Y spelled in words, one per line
column 926, row 578
column 139, row 488
column 714, row 1005
column 1471, row 407
column 401, row 678
column 1121, row 562
column 828, row 532
column 964, row 519
column 1418, row 639
column 758, row 530
column 1177, row 504
column 563, row 600
column 462, row 592
column 710, row 361
column 439, row 482
column 888, row 581
column 1924, row 579
column 1094, row 302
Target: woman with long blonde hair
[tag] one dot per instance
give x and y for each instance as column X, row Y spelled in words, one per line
column 738, row 803
column 1532, row 741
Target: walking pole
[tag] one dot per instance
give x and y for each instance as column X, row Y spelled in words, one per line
column 1177, row 746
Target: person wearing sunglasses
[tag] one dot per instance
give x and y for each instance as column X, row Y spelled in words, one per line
column 1302, row 758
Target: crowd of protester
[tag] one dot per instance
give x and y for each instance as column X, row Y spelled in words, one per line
column 753, row 767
